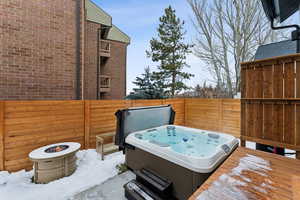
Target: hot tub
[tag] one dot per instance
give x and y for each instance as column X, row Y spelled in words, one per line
column 185, row 156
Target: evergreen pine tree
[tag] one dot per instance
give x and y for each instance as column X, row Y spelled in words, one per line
column 148, row 86
column 170, row 51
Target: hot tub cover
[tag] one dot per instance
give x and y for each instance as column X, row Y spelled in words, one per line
column 140, row 118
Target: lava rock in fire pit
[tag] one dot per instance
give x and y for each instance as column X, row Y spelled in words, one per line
column 56, row 149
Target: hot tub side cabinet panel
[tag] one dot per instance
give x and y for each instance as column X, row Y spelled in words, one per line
column 185, row 181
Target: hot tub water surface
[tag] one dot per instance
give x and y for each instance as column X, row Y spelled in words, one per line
column 184, row 141
column 195, row 149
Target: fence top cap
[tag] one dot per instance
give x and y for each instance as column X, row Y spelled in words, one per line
column 291, row 56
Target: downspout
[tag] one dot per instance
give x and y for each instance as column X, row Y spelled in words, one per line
column 83, row 50
column 98, row 61
column 295, row 34
column 126, row 71
column 78, row 47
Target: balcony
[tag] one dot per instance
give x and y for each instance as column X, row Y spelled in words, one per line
column 104, row 83
column 104, row 48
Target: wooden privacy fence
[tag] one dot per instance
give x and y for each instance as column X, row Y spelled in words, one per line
column 271, row 102
column 221, row 115
column 26, row 125
column 100, row 118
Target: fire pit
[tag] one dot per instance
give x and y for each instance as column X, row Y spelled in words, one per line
column 54, row 161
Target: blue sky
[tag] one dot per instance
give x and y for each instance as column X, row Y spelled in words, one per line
column 139, row 19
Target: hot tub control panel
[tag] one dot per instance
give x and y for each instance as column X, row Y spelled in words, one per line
column 226, row 148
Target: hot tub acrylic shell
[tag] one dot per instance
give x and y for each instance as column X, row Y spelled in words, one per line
column 204, row 164
column 186, row 172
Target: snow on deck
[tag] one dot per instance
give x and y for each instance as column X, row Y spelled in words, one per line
column 91, row 171
column 232, row 183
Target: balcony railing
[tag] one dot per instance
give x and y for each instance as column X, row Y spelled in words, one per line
column 104, row 48
column 104, row 83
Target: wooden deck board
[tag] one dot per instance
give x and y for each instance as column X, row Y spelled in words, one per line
column 251, row 174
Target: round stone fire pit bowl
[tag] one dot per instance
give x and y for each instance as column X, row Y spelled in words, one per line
column 54, row 161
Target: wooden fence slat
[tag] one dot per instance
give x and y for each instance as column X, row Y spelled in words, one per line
column 250, row 119
column 268, row 81
column 298, row 124
column 2, row 132
column 277, row 122
column 221, row 115
column 267, row 121
column 289, row 124
column 289, row 80
column 297, row 79
column 87, row 124
column 243, row 122
column 258, row 120
column 244, row 83
column 258, row 84
column 251, row 83
column 278, row 81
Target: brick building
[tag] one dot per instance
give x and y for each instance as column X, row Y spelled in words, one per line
column 60, row 49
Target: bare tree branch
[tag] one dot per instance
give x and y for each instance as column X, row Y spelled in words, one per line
column 229, row 32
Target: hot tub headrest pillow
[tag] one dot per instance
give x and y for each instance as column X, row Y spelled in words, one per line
column 136, row 119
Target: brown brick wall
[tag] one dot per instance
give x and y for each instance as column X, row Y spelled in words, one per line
column 90, row 69
column 38, row 49
column 38, row 53
column 115, row 67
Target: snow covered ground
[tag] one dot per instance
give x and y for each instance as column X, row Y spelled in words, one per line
column 91, row 171
column 251, row 145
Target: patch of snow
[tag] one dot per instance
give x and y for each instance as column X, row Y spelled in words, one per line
column 261, row 190
column 251, row 163
column 251, row 145
column 229, row 184
column 290, row 153
column 229, row 187
column 231, row 181
column 91, row 171
column 265, row 185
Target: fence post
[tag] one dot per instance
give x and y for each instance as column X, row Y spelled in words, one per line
column 243, row 142
column 220, row 115
column 87, row 124
column 184, row 111
column 2, row 156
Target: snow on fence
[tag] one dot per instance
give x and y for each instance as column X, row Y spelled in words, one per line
column 26, row 125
